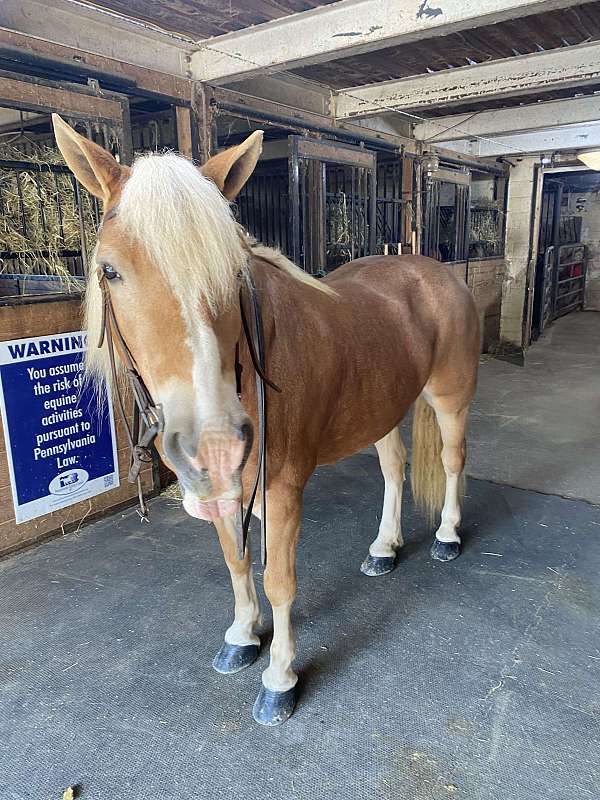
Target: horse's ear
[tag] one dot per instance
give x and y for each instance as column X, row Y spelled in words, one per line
column 231, row 169
column 93, row 166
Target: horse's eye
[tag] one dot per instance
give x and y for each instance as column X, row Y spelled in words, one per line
column 110, row 273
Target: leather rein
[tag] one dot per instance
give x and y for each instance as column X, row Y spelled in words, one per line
column 148, row 419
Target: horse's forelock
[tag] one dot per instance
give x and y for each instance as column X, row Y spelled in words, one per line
column 186, row 227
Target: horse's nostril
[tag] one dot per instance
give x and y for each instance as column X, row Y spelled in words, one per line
column 247, row 435
column 177, row 446
column 187, row 445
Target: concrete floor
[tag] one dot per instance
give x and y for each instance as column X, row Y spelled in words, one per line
column 538, row 426
column 475, row 680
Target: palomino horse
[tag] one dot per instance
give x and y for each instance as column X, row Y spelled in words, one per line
column 388, row 331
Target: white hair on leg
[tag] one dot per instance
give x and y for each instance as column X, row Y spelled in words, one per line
column 392, row 459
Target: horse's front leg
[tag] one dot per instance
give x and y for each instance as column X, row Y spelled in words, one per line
column 277, row 698
column 241, row 645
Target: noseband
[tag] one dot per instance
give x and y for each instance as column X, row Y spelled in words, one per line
column 148, row 419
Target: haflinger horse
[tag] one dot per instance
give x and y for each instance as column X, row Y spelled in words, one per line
column 350, row 354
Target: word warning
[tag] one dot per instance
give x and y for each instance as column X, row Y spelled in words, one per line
column 59, row 430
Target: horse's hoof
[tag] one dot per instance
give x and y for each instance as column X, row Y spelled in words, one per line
column 273, row 708
column 444, row 551
column 377, row 565
column 235, row 657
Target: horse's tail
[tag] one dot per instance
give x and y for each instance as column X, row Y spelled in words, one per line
column 427, row 475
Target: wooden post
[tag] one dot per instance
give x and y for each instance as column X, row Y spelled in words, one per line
column 183, row 115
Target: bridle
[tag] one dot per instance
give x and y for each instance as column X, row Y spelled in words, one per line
column 148, row 419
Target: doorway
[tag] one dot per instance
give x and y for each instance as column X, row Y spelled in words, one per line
column 568, row 198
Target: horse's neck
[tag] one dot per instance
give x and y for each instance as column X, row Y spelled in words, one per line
column 284, row 299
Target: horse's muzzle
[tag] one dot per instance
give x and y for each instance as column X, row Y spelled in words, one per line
column 210, row 509
column 209, row 470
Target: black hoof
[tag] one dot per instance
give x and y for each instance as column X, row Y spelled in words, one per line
column 377, row 565
column 235, row 657
column 273, row 708
column 444, row 551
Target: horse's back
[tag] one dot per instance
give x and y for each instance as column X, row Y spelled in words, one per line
column 398, row 322
column 426, row 301
column 401, row 277
column 421, row 289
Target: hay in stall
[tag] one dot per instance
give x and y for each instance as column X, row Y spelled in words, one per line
column 40, row 218
column 346, row 224
column 338, row 234
column 485, row 228
column 173, row 492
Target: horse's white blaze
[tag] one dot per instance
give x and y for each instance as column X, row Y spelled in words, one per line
column 392, row 459
column 216, row 400
column 279, row 675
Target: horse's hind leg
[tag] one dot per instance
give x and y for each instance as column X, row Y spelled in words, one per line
column 382, row 552
column 241, row 645
column 452, row 425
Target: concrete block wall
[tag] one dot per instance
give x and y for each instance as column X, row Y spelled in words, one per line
column 519, row 260
column 485, row 279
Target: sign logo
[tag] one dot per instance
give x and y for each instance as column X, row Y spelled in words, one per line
column 68, row 482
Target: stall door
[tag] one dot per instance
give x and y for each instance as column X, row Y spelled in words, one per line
column 446, row 215
column 561, row 265
column 49, row 220
column 332, row 203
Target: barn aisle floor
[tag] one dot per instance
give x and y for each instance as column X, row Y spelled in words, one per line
column 474, row 680
column 538, row 426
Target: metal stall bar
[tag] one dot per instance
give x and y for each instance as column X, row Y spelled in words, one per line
column 311, row 206
column 103, row 116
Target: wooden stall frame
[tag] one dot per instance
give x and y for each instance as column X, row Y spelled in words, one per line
column 48, row 314
column 31, row 52
column 322, row 152
column 88, row 103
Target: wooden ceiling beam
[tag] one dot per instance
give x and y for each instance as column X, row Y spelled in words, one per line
column 516, row 119
column 531, row 74
column 575, row 138
column 347, row 28
column 24, row 49
column 100, row 32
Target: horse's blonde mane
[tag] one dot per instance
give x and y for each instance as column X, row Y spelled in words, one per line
column 277, row 259
column 188, row 230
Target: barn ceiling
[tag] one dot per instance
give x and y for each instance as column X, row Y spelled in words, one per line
column 487, row 43
column 200, row 19
column 547, row 31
